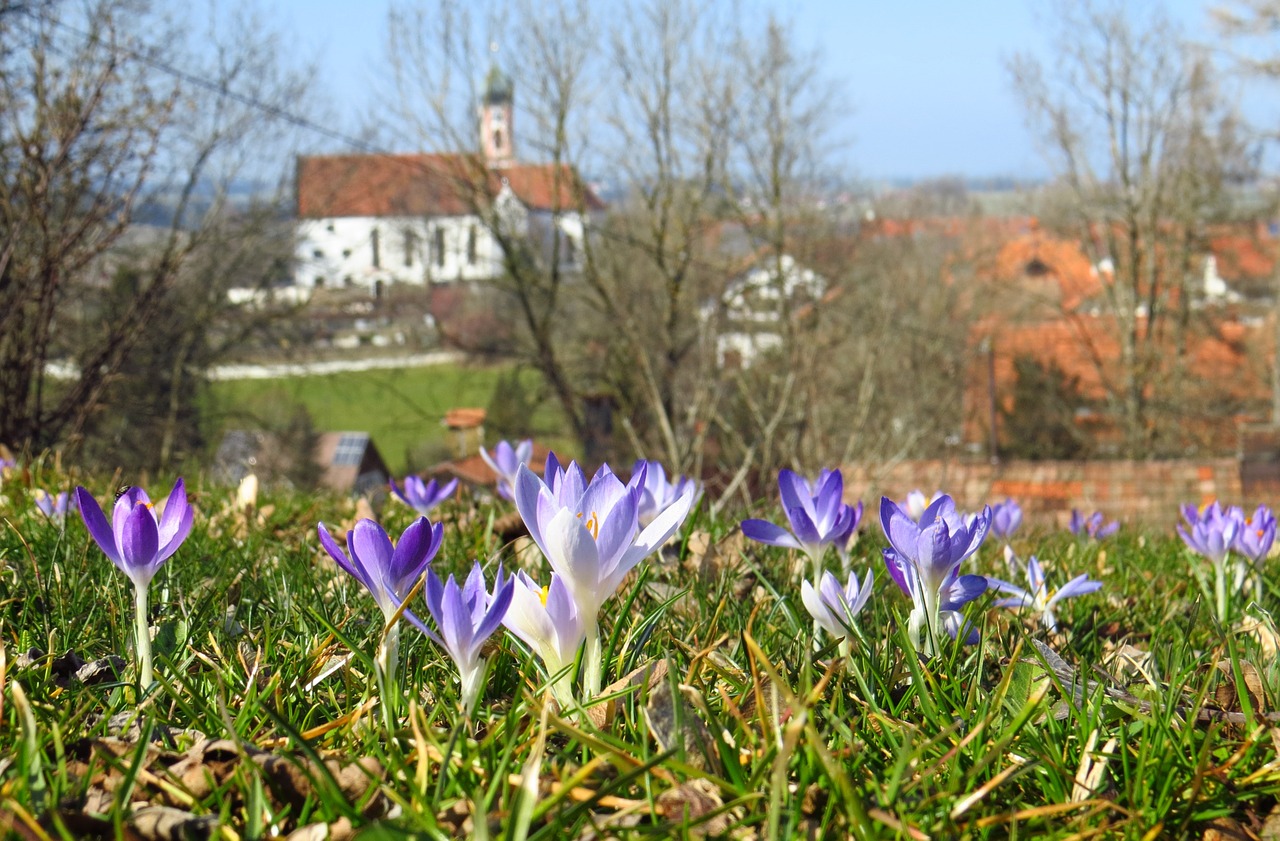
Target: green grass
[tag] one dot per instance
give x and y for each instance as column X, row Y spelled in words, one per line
column 778, row 738
column 403, row 409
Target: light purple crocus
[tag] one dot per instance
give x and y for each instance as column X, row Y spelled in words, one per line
column 389, row 572
column 1257, row 534
column 924, row 560
column 656, row 492
column 1214, row 534
column 467, row 616
column 817, row 512
column 590, row 533
column 423, row 496
column 1006, row 518
column 1091, row 526
column 1037, row 596
column 547, row 620
column 505, row 461
column 52, row 506
column 834, row 608
column 138, row 542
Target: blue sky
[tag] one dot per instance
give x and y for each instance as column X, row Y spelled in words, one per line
column 924, row 88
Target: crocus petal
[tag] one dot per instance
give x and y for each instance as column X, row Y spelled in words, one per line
column 572, row 553
column 499, row 604
column 339, row 554
column 656, row 534
column 528, row 490
column 175, row 523
column 99, row 529
column 139, row 544
column 963, row 590
column 1078, row 586
column 763, row 531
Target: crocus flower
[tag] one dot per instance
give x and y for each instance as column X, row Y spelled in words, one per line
column 1006, row 517
column 1213, row 533
column 138, row 542
column 591, row 535
column 423, row 496
column 505, row 461
column 656, row 492
column 53, row 507
column 916, row 502
column 547, row 620
column 833, row 607
column 1038, row 596
column 467, row 616
column 924, row 559
column 387, row 571
column 818, row 515
column 1256, row 534
column 1092, row 525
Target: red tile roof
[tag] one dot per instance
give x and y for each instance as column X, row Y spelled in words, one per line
column 428, row 185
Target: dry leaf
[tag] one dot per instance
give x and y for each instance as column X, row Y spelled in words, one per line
column 163, row 823
column 1227, row 829
column 1226, row 694
column 689, row 804
column 674, row 722
column 602, row 714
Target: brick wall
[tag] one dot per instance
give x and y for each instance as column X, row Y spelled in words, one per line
column 1136, row 492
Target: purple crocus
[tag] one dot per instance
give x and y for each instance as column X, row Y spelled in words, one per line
column 389, row 572
column 467, row 616
column 135, row 540
column 656, row 492
column 1006, row 518
column 52, row 506
column 590, row 533
column 505, row 461
column 423, row 496
column 138, row 542
column 1091, row 526
column 817, row 512
column 1038, row 596
column 924, row 560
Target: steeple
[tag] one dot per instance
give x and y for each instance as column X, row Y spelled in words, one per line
column 496, row 110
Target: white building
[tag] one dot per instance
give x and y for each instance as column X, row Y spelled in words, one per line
column 748, row 316
column 370, row 220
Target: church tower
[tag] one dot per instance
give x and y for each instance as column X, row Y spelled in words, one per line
column 496, row 131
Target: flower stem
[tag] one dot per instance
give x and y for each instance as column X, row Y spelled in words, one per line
column 1220, row 589
column 142, row 630
column 593, row 666
column 388, row 662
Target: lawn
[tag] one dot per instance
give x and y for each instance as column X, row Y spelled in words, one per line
column 403, row 409
column 1142, row 716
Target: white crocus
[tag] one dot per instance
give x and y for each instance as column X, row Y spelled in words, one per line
column 547, row 620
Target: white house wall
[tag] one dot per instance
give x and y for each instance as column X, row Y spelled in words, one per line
column 338, row 252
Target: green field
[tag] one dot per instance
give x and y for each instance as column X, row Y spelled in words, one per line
column 403, row 409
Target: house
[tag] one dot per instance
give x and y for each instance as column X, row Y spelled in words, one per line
column 1046, row 305
column 429, row 218
column 747, row 319
column 342, row 461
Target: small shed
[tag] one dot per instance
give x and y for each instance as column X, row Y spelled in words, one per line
column 350, row 462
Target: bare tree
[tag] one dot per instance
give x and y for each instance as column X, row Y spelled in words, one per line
column 700, row 124
column 1142, row 151
column 108, row 108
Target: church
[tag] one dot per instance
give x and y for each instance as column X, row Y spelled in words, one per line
column 430, row 218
